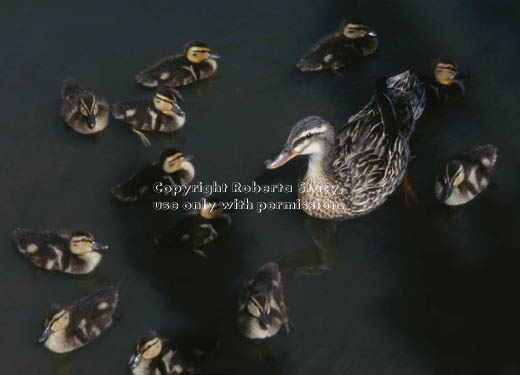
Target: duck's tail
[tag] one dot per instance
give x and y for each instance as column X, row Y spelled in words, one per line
column 69, row 88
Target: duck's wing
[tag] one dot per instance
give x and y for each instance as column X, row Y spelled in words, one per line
column 485, row 155
column 323, row 53
column 132, row 111
column 139, row 184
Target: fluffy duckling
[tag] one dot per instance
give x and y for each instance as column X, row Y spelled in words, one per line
column 443, row 85
column 82, row 110
column 198, row 228
column 173, row 167
column 69, row 252
column 195, row 63
column 466, row 176
column 72, row 326
column 353, row 42
column 261, row 306
column 159, row 113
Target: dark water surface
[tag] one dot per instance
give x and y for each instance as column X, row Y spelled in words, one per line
column 408, row 291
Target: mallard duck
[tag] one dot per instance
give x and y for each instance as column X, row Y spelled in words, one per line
column 173, row 168
column 195, row 63
column 261, row 306
column 159, row 113
column 352, row 172
column 353, row 42
column 198, row 228
column 443, row 85
column 466, row 176
column 155, row 355
column 64, row 251
column 72, row 326
column 82, row 110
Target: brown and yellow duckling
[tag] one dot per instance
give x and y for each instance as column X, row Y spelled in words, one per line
column 70, row 252
column 173, row 168
column 261, row 305
column 443, row 85
column 353, row 171
column 195, row 63
column 198, row 228
column 82, row 110
column 157, row 355
column 160, row 113
column 73, row 326
column 355, row 41
column 466, row 176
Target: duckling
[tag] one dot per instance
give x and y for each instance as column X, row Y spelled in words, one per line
column 199, row 227
column 353, row 171
column 173, row 167
column 353, row 42
column 195, row 63
column 443, row 85
column 159, row 113
column 82, row 110
column 73, row 326
column 261, row 305
column 466, row 176
column 70, row 252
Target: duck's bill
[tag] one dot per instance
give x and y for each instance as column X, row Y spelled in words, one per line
column 281, row 159
column 372, row 33
column 265, row 322
column 446, row 191
column 45, row 335
column 91, row 121
column 178, row 110
column 214, row 56
column 99, row 246
column 137, row 360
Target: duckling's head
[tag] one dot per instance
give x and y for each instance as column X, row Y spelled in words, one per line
column 445, row 71
column 57, row 319
column 258, row 306
column 89, row 109
column 211, row 208
column 311, row 136
column 452, row 177
column 165, row 101
column 197, row 52
column 173, row 160
column 355, row 28
column 149, row 346
column 83, row 242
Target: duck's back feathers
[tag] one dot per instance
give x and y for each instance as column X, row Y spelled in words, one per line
column 70, row 89
column 140, row 184
column 174, row 70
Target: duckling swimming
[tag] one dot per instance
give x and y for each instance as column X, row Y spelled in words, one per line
column 353, row 42
column 69, row 252
column 199, row 228
column 82, row 110
column 354, row 171
column 159, row 113
column 466, row 176
column 72, row 326
column 261, row 305
column 195, row 63
column 173, row 166
column 443, row 85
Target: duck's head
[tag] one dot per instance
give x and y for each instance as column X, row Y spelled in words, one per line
column 173, row 160
column 445, row 71
column 211, row 208
column 452, row 176
column 89, row 109
column 57, row 319
column 258, row 306
column 83, row 242
column 310, row 136
column 197, row 52
column 165, row 101
column 355, row 28
column 149, row 346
